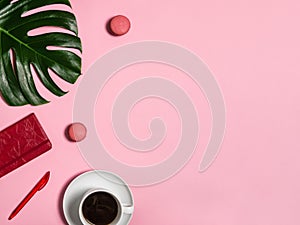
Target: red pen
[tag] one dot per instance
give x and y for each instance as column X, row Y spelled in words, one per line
column 39, row 186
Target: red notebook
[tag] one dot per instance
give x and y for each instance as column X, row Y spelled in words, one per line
column 22, row 142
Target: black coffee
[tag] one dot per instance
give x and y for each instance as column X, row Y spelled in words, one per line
column 100, row 208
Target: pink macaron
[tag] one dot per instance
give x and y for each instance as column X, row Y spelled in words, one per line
column 119, row 25
column 77, row 132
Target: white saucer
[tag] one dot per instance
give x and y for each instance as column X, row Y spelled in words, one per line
column 90, row 180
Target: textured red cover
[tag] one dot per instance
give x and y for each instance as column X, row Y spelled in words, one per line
column 22, row 142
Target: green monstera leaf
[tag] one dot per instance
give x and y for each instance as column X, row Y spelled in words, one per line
column 22, row 53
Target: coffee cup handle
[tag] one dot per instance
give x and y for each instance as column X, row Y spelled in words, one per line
column 128, row 209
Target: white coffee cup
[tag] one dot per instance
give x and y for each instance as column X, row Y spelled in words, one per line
column 121, row 207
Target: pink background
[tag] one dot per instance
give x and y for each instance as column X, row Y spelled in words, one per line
column 253, row 49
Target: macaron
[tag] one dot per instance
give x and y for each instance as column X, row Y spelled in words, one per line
column 119, row 25
column 76, row 132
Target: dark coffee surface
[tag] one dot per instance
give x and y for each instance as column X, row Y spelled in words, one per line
column 100, row 208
